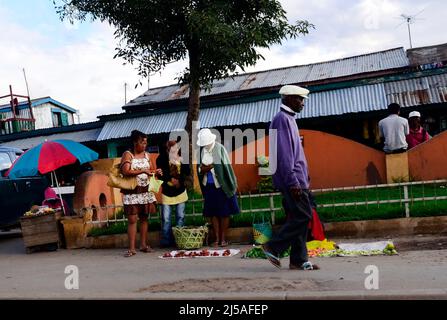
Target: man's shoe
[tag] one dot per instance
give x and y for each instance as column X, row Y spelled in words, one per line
column 271, row 256
column 306, row 266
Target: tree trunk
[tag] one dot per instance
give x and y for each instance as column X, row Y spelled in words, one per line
column 193, row 109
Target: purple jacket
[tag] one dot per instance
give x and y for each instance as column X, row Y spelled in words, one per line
column 290, row 162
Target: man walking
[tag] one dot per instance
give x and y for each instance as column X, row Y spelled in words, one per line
column 394, row 129
column 290, row 176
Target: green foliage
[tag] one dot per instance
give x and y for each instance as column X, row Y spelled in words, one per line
column 218, row 36
column 113, row 228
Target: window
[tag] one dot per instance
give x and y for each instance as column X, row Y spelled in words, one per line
column 5, row 162
column 57, row 119
column 64, row 119
column 60, row 119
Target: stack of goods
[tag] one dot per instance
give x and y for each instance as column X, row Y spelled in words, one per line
column 37, row 211
column 330, row 249
column 200, row 254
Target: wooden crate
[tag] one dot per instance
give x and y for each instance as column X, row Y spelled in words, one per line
column 39, row 231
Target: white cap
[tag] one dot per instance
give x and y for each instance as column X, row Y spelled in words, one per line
column 205, row 137
column 290, row 90
column 414, row 114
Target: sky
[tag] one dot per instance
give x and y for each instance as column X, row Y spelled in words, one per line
column 74, row 63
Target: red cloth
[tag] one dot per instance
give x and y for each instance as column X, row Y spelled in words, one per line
column 316, row 227
column 316, row 230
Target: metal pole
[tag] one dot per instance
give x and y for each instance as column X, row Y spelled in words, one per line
column 409, row 33
column 60, row 194
column 407, row 205
column 125, row 93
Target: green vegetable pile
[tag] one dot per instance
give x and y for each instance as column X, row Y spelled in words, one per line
column 257, row 253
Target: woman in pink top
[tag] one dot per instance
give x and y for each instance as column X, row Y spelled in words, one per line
column 417, row 133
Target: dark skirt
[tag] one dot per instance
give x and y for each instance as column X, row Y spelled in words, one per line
column 217, row 204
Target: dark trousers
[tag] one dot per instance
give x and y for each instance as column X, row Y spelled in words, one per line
column 294, row 232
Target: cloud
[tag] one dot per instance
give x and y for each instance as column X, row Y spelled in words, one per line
column 75, row 65
column 81, row 74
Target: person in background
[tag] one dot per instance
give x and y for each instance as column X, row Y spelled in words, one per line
column 138, row 202
column 393, row 130
column 218, row 184
column 53, row 201
column 174, row 193
column 417, row 133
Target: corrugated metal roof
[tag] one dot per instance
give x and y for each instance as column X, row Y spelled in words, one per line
column 350, row 100
column 149, row 125
column 37, row 102
column 78, row 136
column 365, row 98
column 378, row 61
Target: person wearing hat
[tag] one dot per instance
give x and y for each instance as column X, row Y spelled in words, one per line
column 290, row 176
column 417, row 133
column 218, row 184
column 393, row 131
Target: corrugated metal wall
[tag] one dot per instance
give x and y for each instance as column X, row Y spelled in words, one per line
column 418, row 91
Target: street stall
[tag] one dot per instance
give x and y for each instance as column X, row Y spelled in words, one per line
column 40, row 226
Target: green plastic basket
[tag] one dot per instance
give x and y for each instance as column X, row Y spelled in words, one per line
column 188, row 238
column 262, row 230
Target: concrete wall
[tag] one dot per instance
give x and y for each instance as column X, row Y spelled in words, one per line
column 428, row 161
column 333, row 162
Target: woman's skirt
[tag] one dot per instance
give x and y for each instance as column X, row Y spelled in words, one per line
column 217, row 204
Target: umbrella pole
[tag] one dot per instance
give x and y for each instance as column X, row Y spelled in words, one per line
column 60, row 194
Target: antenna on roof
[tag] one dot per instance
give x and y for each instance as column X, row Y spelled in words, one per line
column 409, row 20
column 125, row 92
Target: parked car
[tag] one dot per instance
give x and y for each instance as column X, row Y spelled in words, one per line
column 17, row 195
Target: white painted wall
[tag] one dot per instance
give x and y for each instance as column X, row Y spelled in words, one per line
column 43, row 116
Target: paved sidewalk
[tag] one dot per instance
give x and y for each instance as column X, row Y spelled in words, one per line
column 105, row 274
